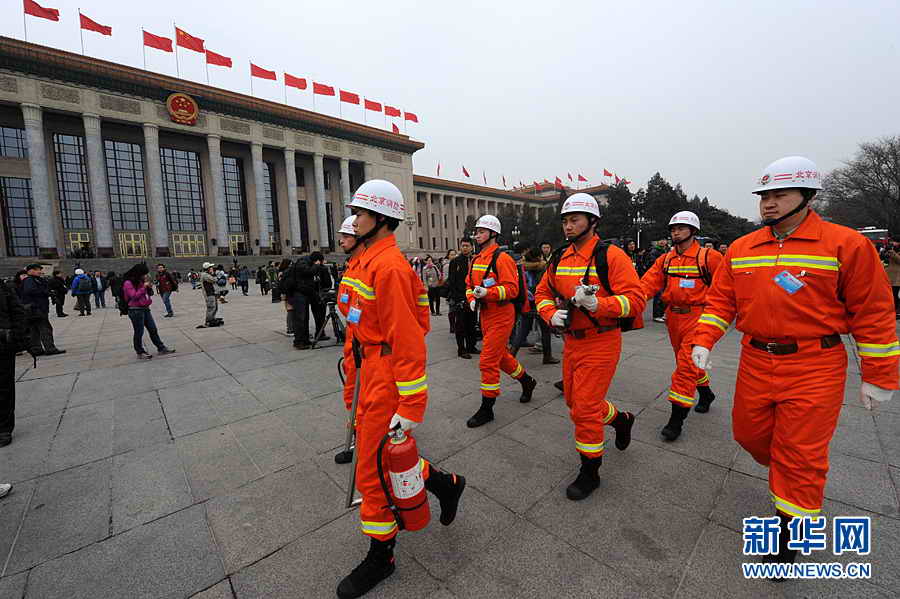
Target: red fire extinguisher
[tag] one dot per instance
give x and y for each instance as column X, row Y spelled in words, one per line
column 406, row 496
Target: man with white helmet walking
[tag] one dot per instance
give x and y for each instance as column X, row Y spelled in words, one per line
column 492, row 283
column 794, row 287
column 683, row 275
column 388, row 316
column 587, row 289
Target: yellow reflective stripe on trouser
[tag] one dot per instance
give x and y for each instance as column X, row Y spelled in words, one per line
column 490, row 386
column 378, row 528
column 713, row 320
column 518, row 371
column 545, row 303
column 624, row 304
column 589, row 447
column 703, row 379
column 783, row 505
column 682, row 399
column 879, row 350
column 611, row 412
column 422, row 300
column 412, row 387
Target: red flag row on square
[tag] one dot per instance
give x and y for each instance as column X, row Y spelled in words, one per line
column 185, row 40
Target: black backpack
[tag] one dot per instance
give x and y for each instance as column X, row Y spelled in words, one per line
column 518, row 302
column 122, row 304
column 601, row 264
column 84, row 284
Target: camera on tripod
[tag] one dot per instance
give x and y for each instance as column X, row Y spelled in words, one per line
column 328, row 297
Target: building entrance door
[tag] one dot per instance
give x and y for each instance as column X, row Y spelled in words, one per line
column 133, row 245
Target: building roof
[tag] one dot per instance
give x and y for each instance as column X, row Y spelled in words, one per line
column 42, row 61
column 446, row 184
column 550, row 188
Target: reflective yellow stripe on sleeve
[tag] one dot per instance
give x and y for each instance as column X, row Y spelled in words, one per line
column 501, row 292
column 713, row 320
column 422, row 300
column 545, row 303
column 412, row 387
column 624, row 304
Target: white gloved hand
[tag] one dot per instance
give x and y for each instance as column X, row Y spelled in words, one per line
column 405, row 423
column 585, row 300
column 558, row 319
column 869, row 392
column 700, row 357
column 472, row 305
column 479, row 292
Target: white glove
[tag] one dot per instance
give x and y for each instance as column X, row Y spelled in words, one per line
column 405, row 423
column 868, row 392
column 472, row 305
column 558, row 319
column 585, row 300
column 479, row 292
column 700, row 357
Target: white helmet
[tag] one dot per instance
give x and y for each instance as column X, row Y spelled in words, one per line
column 792, row 171
column 347, row 226
column 685, row 217
column 78, row 271
column 490, row 222
column 208, row 265
column 379, row 196
column 580, row 202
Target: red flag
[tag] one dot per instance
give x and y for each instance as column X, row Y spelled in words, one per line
column 504, row 181
column 92, row 25
column 409, row 116
column 439, row 169
column 395, row 128
column 292, row 81
column 617, row 179
column 570, row 177
column 322, row 89
column 155, row 41
column 546, row 182
column 256, row 71
column 349, row 98
column 581, row 178
column 372, row 105
column 537, row 185
column 626, row 181
column 36, row 10
column 391, row 111
column 217, row 59
column 186, row 40
column 557, row 183
column 465, row 172
column 606, row 173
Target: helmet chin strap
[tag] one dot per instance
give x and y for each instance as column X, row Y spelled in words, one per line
column 771, row 222
column 353, row 247
column 481, row 246
column 591, row 221
column 373, row 231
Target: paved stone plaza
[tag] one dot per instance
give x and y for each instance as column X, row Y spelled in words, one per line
column 209, row 473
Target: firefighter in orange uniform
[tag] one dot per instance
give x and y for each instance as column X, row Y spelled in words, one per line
column 571, row 297
column 388, row 316
column 492, row 282
column 794, row 286
column 348, row 243
column 683, row 274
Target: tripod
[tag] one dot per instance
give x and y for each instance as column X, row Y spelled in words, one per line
column 337, row 326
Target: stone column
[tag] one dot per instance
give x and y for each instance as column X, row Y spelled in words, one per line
column 290, row 168
column 214, row 142
column 368, row 171
column 40, row 182
column 454, row 231
column 319, row 175
column 262, row 218
column 345, row 188
column 96, row 168
column 155, row 200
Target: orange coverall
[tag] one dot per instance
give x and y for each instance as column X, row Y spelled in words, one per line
column 393, row 320
column 498, row 317
column 590, row 357
column 786, row 407
column 682, row 290
column 345, row 289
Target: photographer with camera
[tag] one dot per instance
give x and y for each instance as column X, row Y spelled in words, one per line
column 300, row 288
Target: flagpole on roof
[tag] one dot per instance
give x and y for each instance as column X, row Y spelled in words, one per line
column 81, row 31
column 177, row 66
column 144, row 48
column 251, row 77
column 25, row 24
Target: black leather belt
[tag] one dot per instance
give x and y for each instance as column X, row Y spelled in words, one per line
column 681, row 309
column 582, row 333
column 782, row 349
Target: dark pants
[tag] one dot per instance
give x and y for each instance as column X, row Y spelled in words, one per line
column 245, row 285
column 100, row 299
column 896, row 299
column 659, row 308
column 434, row 299
column 276, row 294
column 59, row 307
column 167, row 301
column 83, row 304
column 7, row 392
column 526, row 324
column 302, row 305
column 142, row 318
column 41, row 334
column 464, row 326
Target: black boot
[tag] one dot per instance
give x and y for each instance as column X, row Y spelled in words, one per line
column 528, row 384
column 785, row 555
column 550, row 359
column 706, row 398
column 672, row 429
column 343, row 456
column 378, row 565
column 588, row 479
column 559, row 385
column 484, row 414
column 473, row 350
column 622, row 424
column 463, row 354
column 447, row 488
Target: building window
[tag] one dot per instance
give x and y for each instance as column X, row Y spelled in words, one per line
column 432, row 220
column 446, row 243
column 271, row 201
column 420, row 218
column 304, row 227
column 301, row 178
column 329, row 224
column 71, row 181
column 434, row 243
column 188, row 244
column 235, row 199
column 445, row 221
column 13, row 143
column 183, row 189
column 327, row 180
column 125, row 175
column 421, row 244
column 457, row 221
column 18, row 216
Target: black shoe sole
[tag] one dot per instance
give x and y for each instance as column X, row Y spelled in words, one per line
column 669, row 434
column 343, row 457
column 476, row 422
column 464, row 356
column 448, row 515
column 353, row 593
column 574, row 493
column 701, row 408
column 528, row 390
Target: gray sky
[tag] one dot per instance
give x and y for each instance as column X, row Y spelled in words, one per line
column 707, row 93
